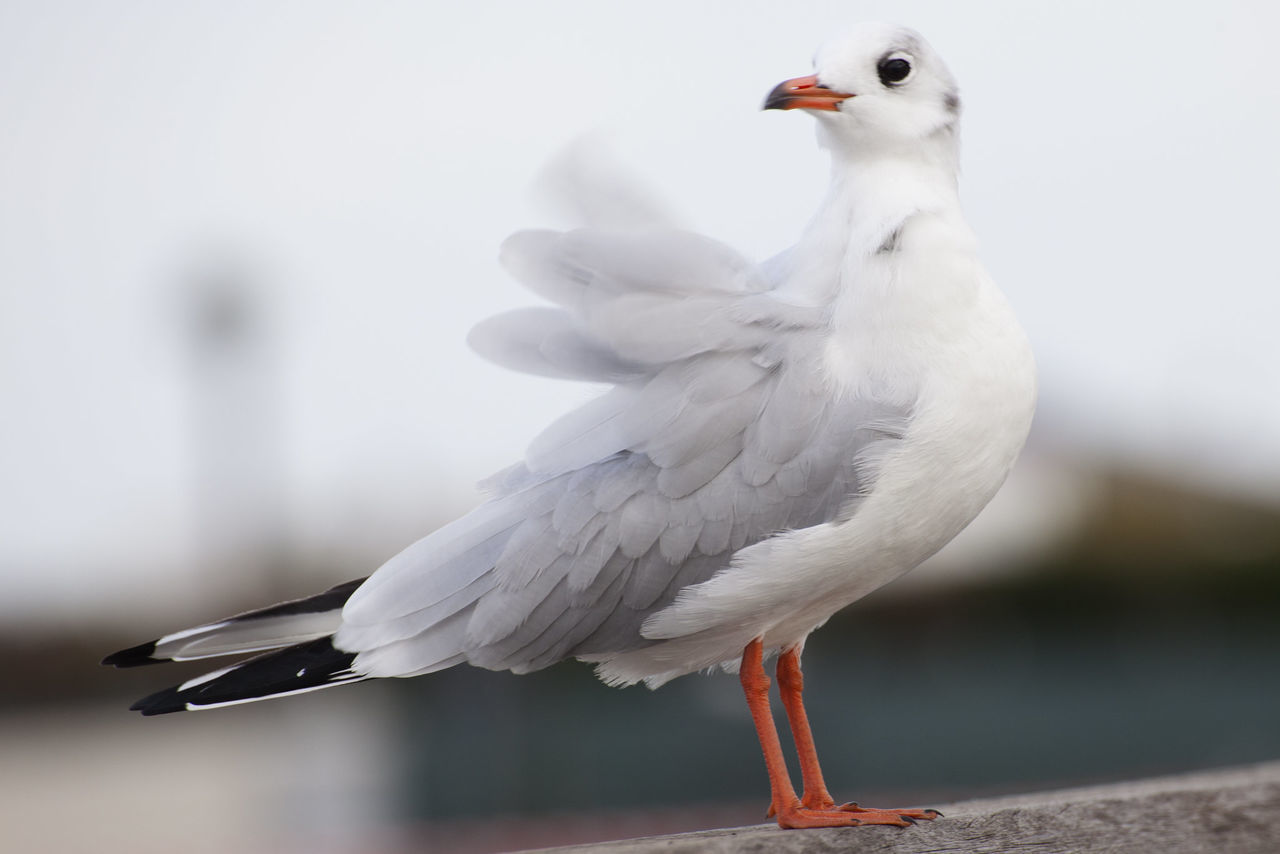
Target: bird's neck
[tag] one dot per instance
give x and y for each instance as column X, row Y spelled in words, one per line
column 873, row 193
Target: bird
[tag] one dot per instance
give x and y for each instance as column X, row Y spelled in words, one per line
column 776, row 440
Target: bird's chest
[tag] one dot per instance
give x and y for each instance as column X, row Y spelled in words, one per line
column 897, row 324
column 927, row 333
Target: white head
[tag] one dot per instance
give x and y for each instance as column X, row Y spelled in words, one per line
column 878, row 87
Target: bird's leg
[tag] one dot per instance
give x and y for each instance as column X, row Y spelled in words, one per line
column 755, row 685
column 791, row 689
column 790, row 812
column 817, row 809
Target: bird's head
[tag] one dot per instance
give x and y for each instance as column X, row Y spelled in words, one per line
column 878, row 86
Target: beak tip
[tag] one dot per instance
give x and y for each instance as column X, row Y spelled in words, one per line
column 803, row 93
column 778, row 97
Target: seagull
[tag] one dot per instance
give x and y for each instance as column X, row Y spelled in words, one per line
column 777, row 440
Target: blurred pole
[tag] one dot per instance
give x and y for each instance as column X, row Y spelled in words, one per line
column 237, row 465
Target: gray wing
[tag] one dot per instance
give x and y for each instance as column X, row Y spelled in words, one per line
column 717, row 433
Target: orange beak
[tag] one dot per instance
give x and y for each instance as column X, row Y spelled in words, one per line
column 804, row 93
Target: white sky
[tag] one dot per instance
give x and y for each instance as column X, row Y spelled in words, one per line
column 363, row 161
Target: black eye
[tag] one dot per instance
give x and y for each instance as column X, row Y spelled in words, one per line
column 894, row 70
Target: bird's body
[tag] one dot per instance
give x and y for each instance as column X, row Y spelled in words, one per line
column 780, row 439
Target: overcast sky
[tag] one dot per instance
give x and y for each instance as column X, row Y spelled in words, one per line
column 355, row 166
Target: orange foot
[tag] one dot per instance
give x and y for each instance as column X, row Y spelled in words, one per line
column 798, row 815
column 843, row 816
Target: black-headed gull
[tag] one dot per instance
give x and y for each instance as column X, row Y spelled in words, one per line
column 780, row 440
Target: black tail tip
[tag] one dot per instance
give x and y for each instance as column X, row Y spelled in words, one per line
column 134, row 656
column 293, row 670
column 163, row 702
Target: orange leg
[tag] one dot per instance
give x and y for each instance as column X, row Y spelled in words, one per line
column 818, row 809
column 791, row 688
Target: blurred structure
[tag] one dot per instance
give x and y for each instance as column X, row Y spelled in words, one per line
column 234, row 396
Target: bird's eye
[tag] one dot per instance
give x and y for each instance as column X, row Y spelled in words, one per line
column 894, row 69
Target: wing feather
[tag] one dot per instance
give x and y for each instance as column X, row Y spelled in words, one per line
column 548, row 342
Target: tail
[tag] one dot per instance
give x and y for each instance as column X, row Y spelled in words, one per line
column 304, row 658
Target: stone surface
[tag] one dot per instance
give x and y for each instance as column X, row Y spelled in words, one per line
column 1235, row 811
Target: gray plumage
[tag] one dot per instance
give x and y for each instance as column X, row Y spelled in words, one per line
column 718, row 432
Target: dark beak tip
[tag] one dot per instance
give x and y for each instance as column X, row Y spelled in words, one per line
column 777, row 98
column 803, row 93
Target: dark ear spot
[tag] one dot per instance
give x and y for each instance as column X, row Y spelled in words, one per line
column 952, row 103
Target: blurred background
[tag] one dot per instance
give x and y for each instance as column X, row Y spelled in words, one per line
column 241, row 244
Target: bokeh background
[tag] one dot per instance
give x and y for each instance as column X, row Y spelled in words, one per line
column 240, row 247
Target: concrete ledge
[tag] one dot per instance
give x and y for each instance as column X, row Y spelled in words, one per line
column 1235, row 811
